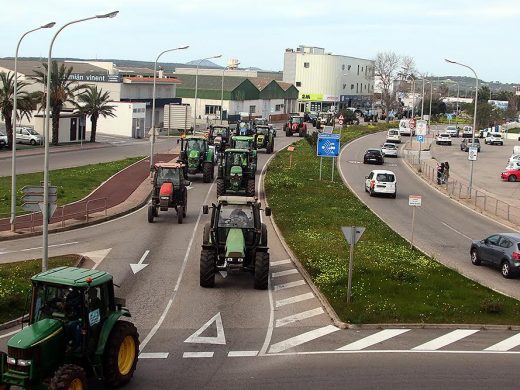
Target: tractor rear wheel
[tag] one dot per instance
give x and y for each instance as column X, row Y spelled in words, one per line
column 207, row 172
column 270, row 147
column 207, row 268
column 251, row 187
column 288, row 133
column 150, row 214
column 69, row 376
column 121, row 354
column 261, row 270
column 220, row 187
column 180, row 214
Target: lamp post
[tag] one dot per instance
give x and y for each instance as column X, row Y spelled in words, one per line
column 422, row 99
column 474, row 120
column 13, row 141
column 431, row 98
column 45, row 226
column 197, row 85
column 152, row 127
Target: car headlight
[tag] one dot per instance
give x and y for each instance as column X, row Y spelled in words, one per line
column 24, row 363
column 11, row 360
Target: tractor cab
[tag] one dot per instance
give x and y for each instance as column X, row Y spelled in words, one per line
column 197, row 156
column 219, row 137
column 236, row 173
column 248, row 143
column 264, row 138
column 295, row 125
column 169, row 190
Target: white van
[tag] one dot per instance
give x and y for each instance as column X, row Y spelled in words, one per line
column 393, row 136
column 404, row 127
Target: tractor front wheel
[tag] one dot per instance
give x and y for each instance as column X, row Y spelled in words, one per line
column 121, row 354
column 220, row 187
column 207, row 172
column 251, row 187
column 270, row 147
column 180, row 214
column 151, row 213
column 207, row 268
column 261, row 270
column 69, row 376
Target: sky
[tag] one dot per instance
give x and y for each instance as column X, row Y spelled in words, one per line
column 481, row 34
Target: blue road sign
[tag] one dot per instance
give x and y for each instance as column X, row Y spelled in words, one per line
column 328, row 145
column 419, row 138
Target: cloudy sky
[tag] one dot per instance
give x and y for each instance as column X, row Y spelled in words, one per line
column 476, row 32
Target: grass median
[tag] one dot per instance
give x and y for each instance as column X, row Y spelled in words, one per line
column 392, row 283
column 73, row 183
column 15, row 283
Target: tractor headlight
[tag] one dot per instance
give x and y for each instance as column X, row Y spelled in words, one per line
column 24, row 363
column 165, row 198
column 11, row 360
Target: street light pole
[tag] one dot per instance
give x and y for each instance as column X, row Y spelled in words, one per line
column 422, row 100
column 152, row 127
column 197, row 85
column 45, row 227
column 13, row 141
column 474, row 120
column 431, row 98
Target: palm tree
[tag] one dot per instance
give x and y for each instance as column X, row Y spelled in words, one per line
column 94, row 102
column 25, row 102
column 62, row 92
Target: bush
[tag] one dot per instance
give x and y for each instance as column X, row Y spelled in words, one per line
column 492, row 306
column 312, row 139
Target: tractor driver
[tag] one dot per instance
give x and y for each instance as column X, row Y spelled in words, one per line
column 239, row 218
column 72, row 309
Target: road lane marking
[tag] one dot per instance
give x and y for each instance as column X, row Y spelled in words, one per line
column 298, row 317
column 97, row 256
column 505, row 345
column 302, row 338
column 242, row 353
column 284, row 286
column 285, row 273
column 197, row 355
column 398, row 351
column 456, row 231
column 372, row 339
column 40, row 247
column 295, row 299
column 280, row 262
column 154, row 355
column 218, row 339
column 156, row 327
column 445, row 340
column 9, row 334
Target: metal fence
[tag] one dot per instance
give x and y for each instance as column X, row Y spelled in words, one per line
column 478, row 199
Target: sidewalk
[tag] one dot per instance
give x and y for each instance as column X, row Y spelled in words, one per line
column 34, row 151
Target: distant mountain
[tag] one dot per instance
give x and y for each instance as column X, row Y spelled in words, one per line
column 467, row 83
column 204, row 64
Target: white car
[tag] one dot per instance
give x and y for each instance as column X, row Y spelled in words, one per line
column 393, row 136
column 389, row 149
column 443, row 139
column 3, row 139
column 27, row 135
column 514, row 157
column 452, row 130
column 494, row 139
column 381, row 182
column 467, row 131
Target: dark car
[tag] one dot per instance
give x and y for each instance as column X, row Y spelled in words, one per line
column 500, row 250
column 373, row 156
column 466, row 144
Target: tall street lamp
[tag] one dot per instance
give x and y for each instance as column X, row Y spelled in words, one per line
column 13, row 142
column 474, row 120
column 431, row 97
column 197, row 85
column 152, row 138
column 45, row 227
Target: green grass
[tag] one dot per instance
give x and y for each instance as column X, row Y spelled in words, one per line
column 15, row 283
column 516, row 130
column 392, row 283
column 73, row 183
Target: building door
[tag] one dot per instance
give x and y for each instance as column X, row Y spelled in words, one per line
column 73, row 129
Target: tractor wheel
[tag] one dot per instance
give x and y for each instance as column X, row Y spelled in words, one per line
column 156, row 211
column 270, row 147
column 180, row 214
column 220, row 187
column 205, row 234
column 207, row 172
column 121, row 354
column 185, row 205
column 69, row 376
column 150, row 214
column 207, row 268
column 261, row 270
column 263, row 238
column 251, row 187
column 288, row 133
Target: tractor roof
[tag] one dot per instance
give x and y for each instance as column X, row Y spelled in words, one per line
column 171, row 165
column 220, row 127
column 242, row 200
column 243, row 137
column 73, row 277
column 237, row 151
column 197, row 136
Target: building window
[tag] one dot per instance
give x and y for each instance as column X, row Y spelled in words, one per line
column 348, row 67
column 361, row 69
column 212, row 109
column 344, row 86
column 278, row 107
column 298, row 83
column 343, row 67
column 351, row 86
column 306, row 65
column 358, row 70
column 357, row 87
column 252, row 109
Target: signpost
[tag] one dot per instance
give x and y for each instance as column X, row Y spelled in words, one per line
column 352, row 235
column 33, row 200
column 472, row 153
column 340, row 121
column 414, row 201
column 328, row 146
column 290, row 149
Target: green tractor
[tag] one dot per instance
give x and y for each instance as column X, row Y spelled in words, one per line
column 264, row 138
column 236, row 239
column 246, row 142
column 236, row 173
column 197, row 156
column 75, row 329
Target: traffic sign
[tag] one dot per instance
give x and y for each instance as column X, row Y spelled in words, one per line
column 327, row 129
column 347, row 232
column 35, row 198
column 412, row 123
column 52, row 208
column 328, row 145
column 421, row 127
column 53, row 190
column 340, row 121
column 341, row 117
column 419, row 138
column 31, row 207
column 472, row 153
column 414, row 200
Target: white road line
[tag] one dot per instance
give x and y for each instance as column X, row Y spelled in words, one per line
column 154, row 355
column 39, row 247
column 506, row 345
column 297, row 298
column 197, row 354
column 302, row 338
column 373, row 339
column 285, row 273
column 9, row 334
column 398, row 351
column 298, row 317
column 280, row 262
column 446, row 339
column 156, row 327
column 283, row 286
column 456, row 231
column 242, row 353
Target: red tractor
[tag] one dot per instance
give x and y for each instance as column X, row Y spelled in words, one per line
column 295, row 125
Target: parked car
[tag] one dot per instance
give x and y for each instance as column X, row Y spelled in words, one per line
column 393, row 136
column 389, row 149
column 467, row 131
column 404, row 127
column 494, row 139
column 3, row 139
column 514, row 157
column 501, row 250
column 466, row 144
column 373, row 156
column 452, row 130
column 381, row 182
column 27, row 135
column 513, row 165
column 443, row 139
column 510, row 175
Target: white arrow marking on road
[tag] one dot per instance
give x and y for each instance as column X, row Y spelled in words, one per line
column 97, row 256
column 140, row 266
column 218, row 339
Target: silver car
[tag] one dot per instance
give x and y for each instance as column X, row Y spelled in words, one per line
column 3, row 139
column 500, row 250
column 27, row 135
